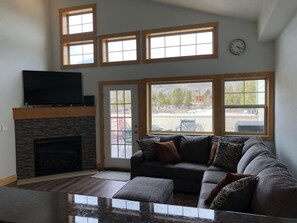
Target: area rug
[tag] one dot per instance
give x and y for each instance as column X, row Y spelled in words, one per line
column 113, row 175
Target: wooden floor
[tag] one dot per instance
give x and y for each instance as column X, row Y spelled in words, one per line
column 84, row 185
column 87, row 185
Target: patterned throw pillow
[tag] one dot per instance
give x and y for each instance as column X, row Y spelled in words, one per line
column 235, row 196
column 228, row 155
column 227, row 179
column 147, row 147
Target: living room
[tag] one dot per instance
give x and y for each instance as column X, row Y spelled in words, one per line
column 30, row 40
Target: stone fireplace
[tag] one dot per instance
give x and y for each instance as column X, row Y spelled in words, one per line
column 55, row 127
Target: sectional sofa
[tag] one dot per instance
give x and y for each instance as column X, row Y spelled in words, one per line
column 274, row 192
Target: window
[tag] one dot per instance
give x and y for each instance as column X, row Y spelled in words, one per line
column 180, row 43
column 245, row 106
column 181, row 107
column 78, row 36
column 120, row 49
column 235, row 104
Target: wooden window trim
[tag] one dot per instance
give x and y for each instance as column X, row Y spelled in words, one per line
column 146, row 34
column 218, row 101
column 269, row 103
column 104, row 39
column 79, row 38
column 65, row 57
column 76, row 10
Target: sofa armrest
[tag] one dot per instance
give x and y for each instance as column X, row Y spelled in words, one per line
column 136, row 160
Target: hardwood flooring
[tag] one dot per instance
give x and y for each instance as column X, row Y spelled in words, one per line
column 84, row 185
column 87, row 185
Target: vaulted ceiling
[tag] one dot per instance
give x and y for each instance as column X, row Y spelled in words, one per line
column 272, row 16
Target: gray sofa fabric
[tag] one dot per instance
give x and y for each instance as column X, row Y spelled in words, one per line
column 186, row 175
column 275, row 192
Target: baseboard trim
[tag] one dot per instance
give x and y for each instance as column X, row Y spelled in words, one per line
column 8, row 180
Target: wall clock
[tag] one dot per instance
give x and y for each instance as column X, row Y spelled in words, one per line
column 237, row 46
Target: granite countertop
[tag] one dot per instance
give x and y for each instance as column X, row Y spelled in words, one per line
column 19, row 205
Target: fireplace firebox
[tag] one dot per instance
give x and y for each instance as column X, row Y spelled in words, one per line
column 57, row 155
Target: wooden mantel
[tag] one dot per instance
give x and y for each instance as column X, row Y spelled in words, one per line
column 53, row 112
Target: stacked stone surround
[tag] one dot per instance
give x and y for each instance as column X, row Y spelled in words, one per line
column 28, row 130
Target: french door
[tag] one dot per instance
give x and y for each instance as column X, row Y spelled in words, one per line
column 120, row 124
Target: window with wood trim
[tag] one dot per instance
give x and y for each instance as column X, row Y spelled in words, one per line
column 78, row 36
column 234, row 104
column 181, row 43
column 245, row 106
column 119, row 49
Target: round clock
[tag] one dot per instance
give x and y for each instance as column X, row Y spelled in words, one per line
column 237, row 46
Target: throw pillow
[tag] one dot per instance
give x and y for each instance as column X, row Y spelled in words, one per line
column 165, row 138
column 213, row 152
column 229, row 178
column 235, row 196
column 147, row 147
column 228, row 155
column 195, row 149
column 167, row 152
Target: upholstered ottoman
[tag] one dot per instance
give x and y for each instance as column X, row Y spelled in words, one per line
column 147, row 189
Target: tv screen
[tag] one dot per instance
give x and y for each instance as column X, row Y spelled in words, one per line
column 52, row 88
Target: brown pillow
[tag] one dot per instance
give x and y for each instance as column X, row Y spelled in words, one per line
column 229, row 178
column 167, row 152
column 213, row 151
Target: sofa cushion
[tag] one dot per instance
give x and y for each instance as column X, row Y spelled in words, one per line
column 235, row 196
column 259, row 163
column 147, row 147
column 167, row 152
column 249, row 155
column 233, row 139
column 195, row 149
column 276, row 193
column 227, row 179
column 250, row 142
column 206, row 188
column 228, row 155
column 156, row 169
column 189, row 171
column 166, row 138
column 213, row 176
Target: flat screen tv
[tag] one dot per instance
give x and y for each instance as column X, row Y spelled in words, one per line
column 52, row 88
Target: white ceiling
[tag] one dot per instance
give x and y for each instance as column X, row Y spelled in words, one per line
column 271, row 15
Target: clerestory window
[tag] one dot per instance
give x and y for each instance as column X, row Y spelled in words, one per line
column 78, row 36
column 181, row 43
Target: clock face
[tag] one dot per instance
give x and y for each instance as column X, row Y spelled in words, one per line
column 237, row 46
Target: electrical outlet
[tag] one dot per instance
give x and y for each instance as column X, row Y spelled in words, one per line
column 4, row 127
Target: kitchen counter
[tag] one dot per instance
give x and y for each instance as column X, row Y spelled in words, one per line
column 19, row 205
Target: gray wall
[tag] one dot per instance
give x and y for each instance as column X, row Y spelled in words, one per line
column 285, row 100
column 30, row 40
column 116, row 16
column 23, row 45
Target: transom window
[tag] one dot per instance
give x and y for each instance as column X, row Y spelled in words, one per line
column 81, row 23
column 181, row 107
column 187, row 42
column 245, row 106
column 119, row 49
column 80, row 52
column 78, row 36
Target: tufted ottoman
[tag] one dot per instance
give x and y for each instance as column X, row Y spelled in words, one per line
column 147, row 189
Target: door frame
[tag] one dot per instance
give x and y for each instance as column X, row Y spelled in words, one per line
column 142, row 126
